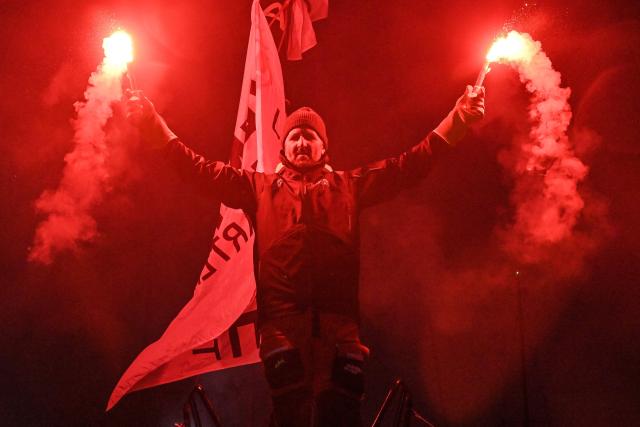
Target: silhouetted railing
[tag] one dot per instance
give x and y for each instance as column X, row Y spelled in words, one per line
column 190, row 409
column 404, row 409
column 402, row 417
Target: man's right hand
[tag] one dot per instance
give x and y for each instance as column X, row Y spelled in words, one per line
column 468, row 110
column 142, row 114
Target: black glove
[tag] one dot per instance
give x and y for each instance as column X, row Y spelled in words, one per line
column 141, row 112
column 468, row 110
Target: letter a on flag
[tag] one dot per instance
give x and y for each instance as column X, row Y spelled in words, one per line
column 217, row 327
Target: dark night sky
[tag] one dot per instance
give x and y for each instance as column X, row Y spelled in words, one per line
column 383, row 74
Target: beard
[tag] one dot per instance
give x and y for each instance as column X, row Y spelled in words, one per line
column 304, row 156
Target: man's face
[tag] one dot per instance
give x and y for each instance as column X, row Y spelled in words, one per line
column 303, row 147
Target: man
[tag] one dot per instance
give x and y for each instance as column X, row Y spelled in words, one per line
column 307, row 245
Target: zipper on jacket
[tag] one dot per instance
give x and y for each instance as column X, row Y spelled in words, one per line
column 305, row 202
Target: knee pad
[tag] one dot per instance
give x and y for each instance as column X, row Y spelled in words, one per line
column 348, row 376
column 284, row 368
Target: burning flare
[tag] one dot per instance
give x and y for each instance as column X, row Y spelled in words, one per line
column 118, row 52
column 67, row 209
column 513, row 47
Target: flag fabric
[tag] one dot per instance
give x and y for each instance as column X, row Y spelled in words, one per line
column 216, row 329
column 296, row 22
column 300, row 32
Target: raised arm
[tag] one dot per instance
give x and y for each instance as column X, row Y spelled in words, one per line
column 383, row 179
column 231, row 186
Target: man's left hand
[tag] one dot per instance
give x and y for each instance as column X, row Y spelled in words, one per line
column 468, row 110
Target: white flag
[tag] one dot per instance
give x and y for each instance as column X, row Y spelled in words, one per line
column 217, row 327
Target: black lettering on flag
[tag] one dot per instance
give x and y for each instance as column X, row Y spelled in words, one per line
column 275, row 120
column 231, row 233
column 237, row 150
column 217, row 250
column 234, row 339
column 248, row 318
column 215, row 349
column 237, row 232
column 210, row 270
column 249, row 125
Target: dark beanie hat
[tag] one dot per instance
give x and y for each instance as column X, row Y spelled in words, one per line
column 306, row 117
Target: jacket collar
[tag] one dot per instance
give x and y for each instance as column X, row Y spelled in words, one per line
column 280, row 166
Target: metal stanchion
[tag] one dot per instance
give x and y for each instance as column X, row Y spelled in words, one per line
column 404, row 410
column 190, row 409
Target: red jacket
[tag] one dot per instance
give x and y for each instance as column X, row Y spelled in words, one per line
column 306, row 222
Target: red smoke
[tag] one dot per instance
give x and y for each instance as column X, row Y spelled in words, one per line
column 544, row 167
column 68, row 209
